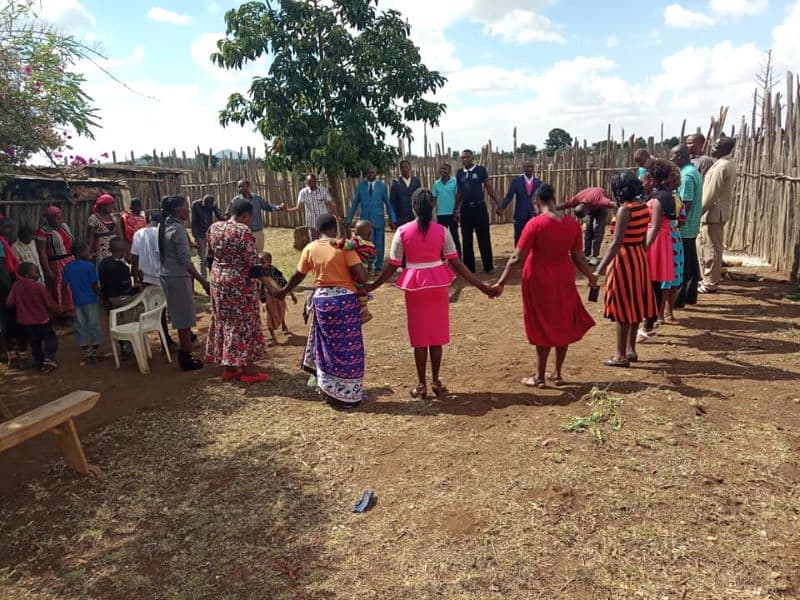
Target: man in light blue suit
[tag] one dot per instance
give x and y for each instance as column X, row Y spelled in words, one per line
column 371, row 197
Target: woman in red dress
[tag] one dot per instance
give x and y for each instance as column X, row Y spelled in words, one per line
column 235, row 339
column 551, row 246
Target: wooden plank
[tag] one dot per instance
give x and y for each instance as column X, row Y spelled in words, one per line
column 45, row 417
column 72, row 450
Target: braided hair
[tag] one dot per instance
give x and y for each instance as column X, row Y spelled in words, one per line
column 169, row 204
column 422, row 203
column 626, row 186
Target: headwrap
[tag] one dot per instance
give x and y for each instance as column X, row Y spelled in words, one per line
column 103, row 200
column 52, row 211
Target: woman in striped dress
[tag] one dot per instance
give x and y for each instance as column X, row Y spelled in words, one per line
column 629, row 295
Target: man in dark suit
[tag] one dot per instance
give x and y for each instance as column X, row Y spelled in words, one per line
column 521, row 190
column 400, row 194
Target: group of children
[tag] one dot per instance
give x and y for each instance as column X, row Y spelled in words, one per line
column 30, row 306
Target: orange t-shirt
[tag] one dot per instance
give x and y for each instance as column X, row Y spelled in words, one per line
column 331, row 266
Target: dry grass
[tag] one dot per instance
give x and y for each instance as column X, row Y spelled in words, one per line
column 240, row 493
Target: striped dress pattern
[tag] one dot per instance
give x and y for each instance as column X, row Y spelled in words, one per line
column 629, row 294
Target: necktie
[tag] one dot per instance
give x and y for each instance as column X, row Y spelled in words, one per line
column 370, row 189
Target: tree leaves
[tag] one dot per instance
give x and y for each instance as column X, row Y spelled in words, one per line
column 342, row 75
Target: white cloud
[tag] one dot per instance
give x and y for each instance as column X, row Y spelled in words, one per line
column 523, row 26
column 786, row 40
column 138, row 55
column 612, row 41
column 677, row 16
column 167, row 16
column 738, row 8
column 69, row 15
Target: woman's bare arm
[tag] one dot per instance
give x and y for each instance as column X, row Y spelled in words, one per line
column 620, row 228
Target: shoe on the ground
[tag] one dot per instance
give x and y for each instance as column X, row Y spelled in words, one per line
column 49, row 365
column 188, row 362
column 704, row 289
column 593, row 261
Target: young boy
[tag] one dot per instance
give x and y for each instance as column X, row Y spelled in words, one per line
column 81, row 277
column 275, row 309
column 363, row 245
column 25, row 249
column 32, row 301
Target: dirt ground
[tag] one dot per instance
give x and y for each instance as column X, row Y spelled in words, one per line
column 676, row 478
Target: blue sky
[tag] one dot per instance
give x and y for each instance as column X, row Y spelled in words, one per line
column 533, row 64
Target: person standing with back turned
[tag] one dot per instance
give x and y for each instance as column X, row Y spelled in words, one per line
column 471, row 209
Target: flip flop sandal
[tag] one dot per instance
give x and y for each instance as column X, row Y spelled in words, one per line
column 533, row 382
column 556, row 380
column 632, row 357
column 420, row 391
column 438, row 388
column 617, row 362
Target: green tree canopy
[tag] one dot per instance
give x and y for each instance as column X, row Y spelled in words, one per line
column 557, row 139
column 342, row 76
column 40, row 96
column 528, row 149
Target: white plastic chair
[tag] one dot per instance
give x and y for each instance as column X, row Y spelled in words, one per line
column 154, row 304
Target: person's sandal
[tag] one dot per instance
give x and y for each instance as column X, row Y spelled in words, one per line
column 230, row 375
column 617, row 362
column 632, row 357
column 254, row 378
column 439, row 389
column 556, row 380
column 420, row 391
column 533, row 382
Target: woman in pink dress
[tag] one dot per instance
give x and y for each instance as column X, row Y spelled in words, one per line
column 550, row 247
column 428, row 249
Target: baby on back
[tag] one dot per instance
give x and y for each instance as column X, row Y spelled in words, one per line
column 362, row 244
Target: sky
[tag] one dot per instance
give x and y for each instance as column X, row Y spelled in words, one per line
column 531, row 64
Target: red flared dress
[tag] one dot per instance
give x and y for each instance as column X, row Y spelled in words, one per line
column 553, row 311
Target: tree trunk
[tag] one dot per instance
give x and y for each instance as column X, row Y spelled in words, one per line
column 335, row 189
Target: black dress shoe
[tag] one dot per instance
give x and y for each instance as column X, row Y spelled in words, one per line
column 189, row 362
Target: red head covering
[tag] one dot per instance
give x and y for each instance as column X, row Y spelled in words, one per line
column 102, row 200
column 52, row 211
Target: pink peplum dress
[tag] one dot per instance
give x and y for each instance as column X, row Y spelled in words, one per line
column 425, row 280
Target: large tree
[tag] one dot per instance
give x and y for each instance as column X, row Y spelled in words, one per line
column 557, row 139
column 342, row 76
column 42, row 101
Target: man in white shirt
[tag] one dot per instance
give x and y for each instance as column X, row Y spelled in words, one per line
column 145, row 262
column 317, row 202
column 718, row 186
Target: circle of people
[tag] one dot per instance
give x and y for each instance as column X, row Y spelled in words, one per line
column 665, row 211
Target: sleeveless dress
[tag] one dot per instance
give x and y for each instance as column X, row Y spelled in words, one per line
column 553, row 312
column 660, row 255
column 425, row 280
column 629, row 294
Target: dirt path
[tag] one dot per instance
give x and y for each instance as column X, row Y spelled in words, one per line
column 685, row 484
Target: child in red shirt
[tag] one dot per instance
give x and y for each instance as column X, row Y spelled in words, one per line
column 33, row 301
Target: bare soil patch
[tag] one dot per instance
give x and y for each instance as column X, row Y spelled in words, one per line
column 215, row 490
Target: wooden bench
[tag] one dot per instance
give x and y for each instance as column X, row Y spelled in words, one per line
column 55, row 416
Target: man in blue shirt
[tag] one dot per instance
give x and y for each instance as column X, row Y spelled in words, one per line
column 371, row 197
column 400, row 194
column 259, row 204
column 691, row 193
column 444, row 193
column 521, row 191
column 471, row 209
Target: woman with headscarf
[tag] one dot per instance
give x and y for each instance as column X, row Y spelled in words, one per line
column 335, row 349
column 54, row 243
column 550, row 247
column 629, row 298
column 235, row 339
column 103, row 225
column 431, row 257
column 178, row 274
